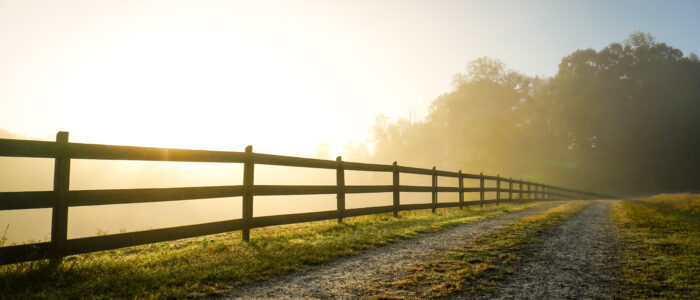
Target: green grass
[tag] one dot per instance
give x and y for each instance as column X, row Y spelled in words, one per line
column 478, row 265
column 661, row 252
column 212, row 264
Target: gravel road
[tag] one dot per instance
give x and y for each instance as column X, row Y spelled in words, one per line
column 576, row 260
column 350, row 277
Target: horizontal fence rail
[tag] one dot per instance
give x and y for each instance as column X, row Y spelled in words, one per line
column 61, row 197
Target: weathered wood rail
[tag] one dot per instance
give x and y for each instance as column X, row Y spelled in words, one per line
column 61, row 198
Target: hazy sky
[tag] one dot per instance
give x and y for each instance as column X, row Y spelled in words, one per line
column 280, row 75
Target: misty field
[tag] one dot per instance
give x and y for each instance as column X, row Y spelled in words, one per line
column 661, row 236
column 349, row 149
column 212, row 264
column 650, row 251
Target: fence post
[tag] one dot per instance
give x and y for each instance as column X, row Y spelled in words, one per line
column 61, row 185
column 520, row 184
column 537, row 193
column 481, row 191
column 553, row 193
column 435, row 195
column 544, row 192
column 248, row 185
column 498, row 189
column 529, row 191
column 537, row 187
column 397, row 192
column 461, row 190
column 340, row 183
column 510, row 189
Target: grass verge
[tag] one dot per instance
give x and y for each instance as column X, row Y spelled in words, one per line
column 212, row 264
column 661, row 251
column 477, row 265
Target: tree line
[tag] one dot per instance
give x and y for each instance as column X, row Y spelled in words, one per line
column 623, row 120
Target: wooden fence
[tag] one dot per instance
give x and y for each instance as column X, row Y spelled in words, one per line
column 61, row 198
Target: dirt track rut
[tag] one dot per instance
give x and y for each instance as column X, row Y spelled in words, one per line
column 575, row 260
column 350, row 277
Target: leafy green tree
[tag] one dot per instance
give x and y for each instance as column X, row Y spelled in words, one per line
column 623, row 120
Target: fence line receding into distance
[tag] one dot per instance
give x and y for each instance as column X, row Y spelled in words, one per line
column 61, row 198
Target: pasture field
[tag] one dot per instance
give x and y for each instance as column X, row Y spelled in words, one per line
column 661, row 238
column 212, row 264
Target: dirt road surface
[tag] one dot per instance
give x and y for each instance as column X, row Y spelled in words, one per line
column 575, row 260
column 351, row 277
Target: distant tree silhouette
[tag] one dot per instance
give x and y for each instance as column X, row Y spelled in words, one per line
column 625, row 120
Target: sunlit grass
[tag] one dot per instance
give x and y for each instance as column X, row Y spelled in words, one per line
column 483, row 261
column 212, row 264
column 662, row 246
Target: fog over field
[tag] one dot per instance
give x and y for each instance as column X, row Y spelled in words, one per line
column 34, row 174
column 612, row 107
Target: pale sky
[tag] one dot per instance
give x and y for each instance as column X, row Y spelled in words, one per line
column 280, row 75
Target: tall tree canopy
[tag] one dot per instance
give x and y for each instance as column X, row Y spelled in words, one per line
column 622, row 120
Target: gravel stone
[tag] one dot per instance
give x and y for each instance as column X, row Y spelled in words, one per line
column 350, row 277
column 575, row 260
